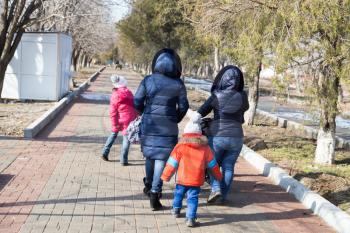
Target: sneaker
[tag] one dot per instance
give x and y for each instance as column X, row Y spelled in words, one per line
column 105, row 158
column 213, row 197
column 175, row 212
column 124, row 164
column 191, row 222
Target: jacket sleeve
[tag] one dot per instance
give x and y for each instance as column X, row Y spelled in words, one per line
column 245, row 102
column 113, row 112
column 183, row 104
column 206, row 108
column 172, row 164
column 212, row 165
column 140, row 97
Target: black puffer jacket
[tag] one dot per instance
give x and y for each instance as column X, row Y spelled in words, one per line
column 162, row 99
column 228, row 101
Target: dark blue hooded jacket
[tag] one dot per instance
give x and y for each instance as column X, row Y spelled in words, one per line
column 162, row 99
column 229, row 101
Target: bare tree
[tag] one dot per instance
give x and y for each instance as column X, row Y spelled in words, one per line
column 244, row 26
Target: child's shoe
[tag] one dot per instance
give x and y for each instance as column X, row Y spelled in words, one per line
column 213, row 197
column 175, row 212
column 191, row 222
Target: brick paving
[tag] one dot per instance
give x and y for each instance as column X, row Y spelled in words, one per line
column 58, row 183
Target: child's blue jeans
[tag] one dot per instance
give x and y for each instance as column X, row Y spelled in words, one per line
column 124, row 151
column 192, row 199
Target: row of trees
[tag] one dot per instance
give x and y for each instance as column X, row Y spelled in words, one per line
column 88, row 22
column 312, row 36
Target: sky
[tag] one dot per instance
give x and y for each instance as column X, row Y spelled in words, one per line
column 119, row 10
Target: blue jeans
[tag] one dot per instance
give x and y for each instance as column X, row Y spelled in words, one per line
column 124, row 150
column 226, row 151
column 192, row 199
column 154, row 170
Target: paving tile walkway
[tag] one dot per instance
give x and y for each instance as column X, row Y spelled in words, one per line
column 58, row 183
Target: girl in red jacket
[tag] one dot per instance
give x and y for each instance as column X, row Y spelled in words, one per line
column 121, row 113
column 190, row 157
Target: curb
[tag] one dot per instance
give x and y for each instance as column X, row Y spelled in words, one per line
column 34, row 128
column 309, row 131
column 331, row 214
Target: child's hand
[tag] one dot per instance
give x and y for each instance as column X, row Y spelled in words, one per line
column 165, row 179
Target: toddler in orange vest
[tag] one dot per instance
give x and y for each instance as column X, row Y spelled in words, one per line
column 190, row 157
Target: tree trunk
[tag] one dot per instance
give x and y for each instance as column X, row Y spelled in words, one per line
column 253, row 97
column 341, row 95
column 2, row 78
column 199, row 71
column 76, row 54
column 297, row 81
column 85, row 61
column 216, row 61
column 207, row 69
column 328, row 96
column 89, row 62
column 149, row 68
column 80, row 60
column 325, row 149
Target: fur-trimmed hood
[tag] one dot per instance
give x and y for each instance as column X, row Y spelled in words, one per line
column 196, row 139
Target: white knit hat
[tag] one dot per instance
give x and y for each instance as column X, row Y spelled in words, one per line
column 193, row 125
column 118, row 81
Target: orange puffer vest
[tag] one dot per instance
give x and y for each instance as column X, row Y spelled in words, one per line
column 190, row 157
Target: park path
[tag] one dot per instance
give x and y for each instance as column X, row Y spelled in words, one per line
column 59, row 183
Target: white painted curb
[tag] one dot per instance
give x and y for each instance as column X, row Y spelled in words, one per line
column 331, row 214
column 34, row 128
column 308, row 130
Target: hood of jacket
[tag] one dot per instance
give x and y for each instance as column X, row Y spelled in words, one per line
column 194, row 140
column 229, row 78
column 122, row 92
column 168, row 63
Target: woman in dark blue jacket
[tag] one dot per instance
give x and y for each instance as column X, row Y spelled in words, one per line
column 162, row 99
column 229, row 102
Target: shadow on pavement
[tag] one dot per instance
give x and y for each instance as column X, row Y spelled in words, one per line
column 5, row 179
column 252, row 217
column 219, row 219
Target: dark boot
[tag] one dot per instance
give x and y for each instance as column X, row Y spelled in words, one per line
column 147, row 188
column 154, row 201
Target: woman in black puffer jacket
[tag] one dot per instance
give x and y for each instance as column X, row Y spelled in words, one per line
column 229, row 102
column 162, row 99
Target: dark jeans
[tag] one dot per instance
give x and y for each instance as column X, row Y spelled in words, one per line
column 192, row 194
column 226, row 151
column 124, row 150
column 154, row 170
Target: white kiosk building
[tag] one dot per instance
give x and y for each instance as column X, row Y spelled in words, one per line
column 40, row 68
